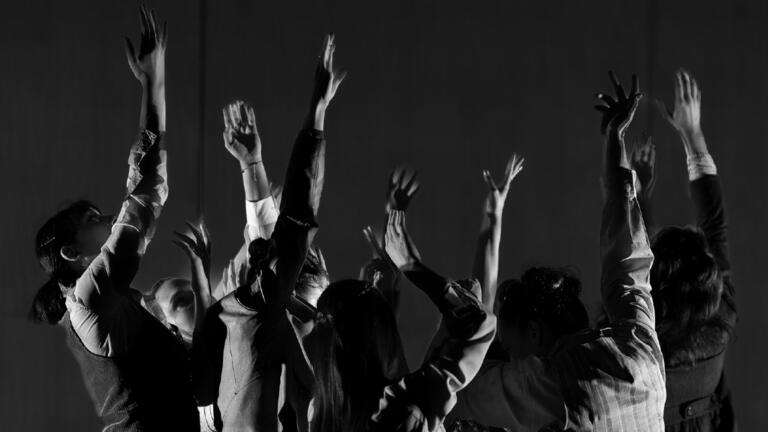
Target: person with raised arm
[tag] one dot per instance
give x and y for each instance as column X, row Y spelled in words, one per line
column 402, row 186
column 353, row 349
column 560, row 375
column 692, row 286
column 135, row 370
column 248, row 327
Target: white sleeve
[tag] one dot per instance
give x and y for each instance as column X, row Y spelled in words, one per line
column 261, row 217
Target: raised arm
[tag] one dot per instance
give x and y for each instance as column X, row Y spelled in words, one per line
column 380, row 270
column 242, row 141
column 486, row 264
column 470, row 330
column 624, row 246
column 705, row 189
column 197, row 247
column 147, row 190
column 643, row 161
column 303, row 184
column 147, row 186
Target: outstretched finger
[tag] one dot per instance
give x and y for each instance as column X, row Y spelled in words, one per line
column 635, row 85
column 607, row 99
column 130, row 54
column 251, row 116
column 412, row 183
column 199, row 240
column 185, row 247
column 206, row 234
column 153, row 27
column 144, row 21
column 413, row 189
column 376, row 249
column 663, row 110
column 489, row 180
column 617, row 86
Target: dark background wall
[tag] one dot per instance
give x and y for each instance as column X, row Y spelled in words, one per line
column 446, row 89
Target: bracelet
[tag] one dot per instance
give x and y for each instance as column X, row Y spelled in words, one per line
column 249, row 166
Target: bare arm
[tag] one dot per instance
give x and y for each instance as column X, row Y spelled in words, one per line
column 486, row 264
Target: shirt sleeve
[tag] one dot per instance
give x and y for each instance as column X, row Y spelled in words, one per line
column 519, row 394
column 699, row 165
column 146, row 187
column 626, row 254
column 261, row 217
column 101, row 302
column 432, row 389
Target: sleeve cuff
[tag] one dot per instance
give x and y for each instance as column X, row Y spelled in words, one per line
column 699, row 165
column 259, row 215
column 314, row 133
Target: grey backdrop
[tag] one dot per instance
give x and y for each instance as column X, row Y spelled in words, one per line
column 447, row 89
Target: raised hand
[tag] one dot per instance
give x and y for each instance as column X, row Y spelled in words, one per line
column 198, row 250
column 398, row 243
column 685, row 117
column 619, row 112
column 644, row 163
column 327, row 78
column 197, row 246
column 241, row 137
column 497, row 194
column 148, row 64
column 403, row 185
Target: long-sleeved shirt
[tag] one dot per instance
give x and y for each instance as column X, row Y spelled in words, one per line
column 421, row 400
column 603, row 380
column 103, row 309
column 698, row 396
column 134, row 368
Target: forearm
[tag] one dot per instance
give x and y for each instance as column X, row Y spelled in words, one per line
column 693, row 141
column 626, row 254
column 315, row 118
column 203, row 299
column 304, row 178
column 486, row 266
column 255, row 181
column 614, row 154
column 152, row 115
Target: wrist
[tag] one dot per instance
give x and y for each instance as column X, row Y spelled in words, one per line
column 316, row 116
column 693, row 140
column 246, row 166
column 246, row 162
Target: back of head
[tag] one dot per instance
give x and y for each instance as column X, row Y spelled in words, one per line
column 58, row 231
column 355, row 351
column 686, row 281
column 546, row 295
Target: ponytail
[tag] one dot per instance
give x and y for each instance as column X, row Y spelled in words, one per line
column 48, row 306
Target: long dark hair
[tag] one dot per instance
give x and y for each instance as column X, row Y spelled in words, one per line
column 687, row 285
column 550, row 295
column 61, row 230
column 355, row 350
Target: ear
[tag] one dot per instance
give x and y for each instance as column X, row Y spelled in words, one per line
column 69, row 253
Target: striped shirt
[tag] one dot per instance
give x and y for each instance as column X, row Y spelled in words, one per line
column 611, row 379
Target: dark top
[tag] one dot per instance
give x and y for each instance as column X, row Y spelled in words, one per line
column 145, row 389
column 698, row 398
